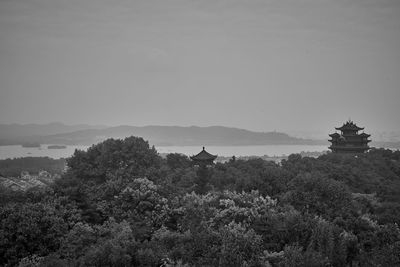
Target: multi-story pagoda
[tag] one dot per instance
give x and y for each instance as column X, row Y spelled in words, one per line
column 203, row 158
column 349, row 141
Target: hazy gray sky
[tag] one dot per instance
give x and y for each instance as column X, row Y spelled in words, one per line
column 255, row 64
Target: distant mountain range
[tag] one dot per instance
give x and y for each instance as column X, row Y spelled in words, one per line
column 57, row 133
column 61, row 134
column 16, row 134
column 10, row 131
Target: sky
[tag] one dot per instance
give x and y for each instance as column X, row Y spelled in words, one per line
column 264, row 65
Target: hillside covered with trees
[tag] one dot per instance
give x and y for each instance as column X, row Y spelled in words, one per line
column 33, row 165
column 121, row 204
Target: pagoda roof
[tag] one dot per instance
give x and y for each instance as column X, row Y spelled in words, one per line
column 364, row 134
column 203, row 156
column 334, row 135
column 349, row 125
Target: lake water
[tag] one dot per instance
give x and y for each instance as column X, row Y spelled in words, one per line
column 42, row 151
column 229, row 151
column 226, row 151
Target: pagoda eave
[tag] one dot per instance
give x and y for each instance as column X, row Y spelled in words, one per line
column 354, row 149
column 203, row 158
column 344, row 128
column 208, row 159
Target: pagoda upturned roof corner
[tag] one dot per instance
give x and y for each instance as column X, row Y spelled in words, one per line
column 204, row 156
column 334, row 134
column 349, row 125
column 365, row 135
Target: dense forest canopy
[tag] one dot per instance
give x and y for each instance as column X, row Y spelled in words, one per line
column 33, row 165
column 121, row 204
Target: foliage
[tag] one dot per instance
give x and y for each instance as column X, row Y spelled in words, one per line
column 254, row 174
column 176, row 160
column 121, row 204
column 131, row 157
column 314, row 193
column 33, row 228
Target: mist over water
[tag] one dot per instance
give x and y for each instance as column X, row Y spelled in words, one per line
column 238, row 151
column 17, row 151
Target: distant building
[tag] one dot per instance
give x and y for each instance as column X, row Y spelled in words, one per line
column 349, row 140
column 203, row 158
column 25, row 175
column 203, row 173
column 27, row 181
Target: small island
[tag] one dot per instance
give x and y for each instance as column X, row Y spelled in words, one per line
column 56, row 147
column 30, row 145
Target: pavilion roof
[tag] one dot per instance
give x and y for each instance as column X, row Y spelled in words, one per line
column 364, row 134
column 204, row 156
column 349, row 125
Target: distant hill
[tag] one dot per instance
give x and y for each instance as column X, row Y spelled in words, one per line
column 23, row 133
column 176, row 135
column 58, row 133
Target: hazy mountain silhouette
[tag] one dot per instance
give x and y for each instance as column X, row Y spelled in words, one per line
column 176, row 135
column 19, row 133
column 82, row 134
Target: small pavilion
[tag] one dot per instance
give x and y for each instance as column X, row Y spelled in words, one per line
column 203, row 158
